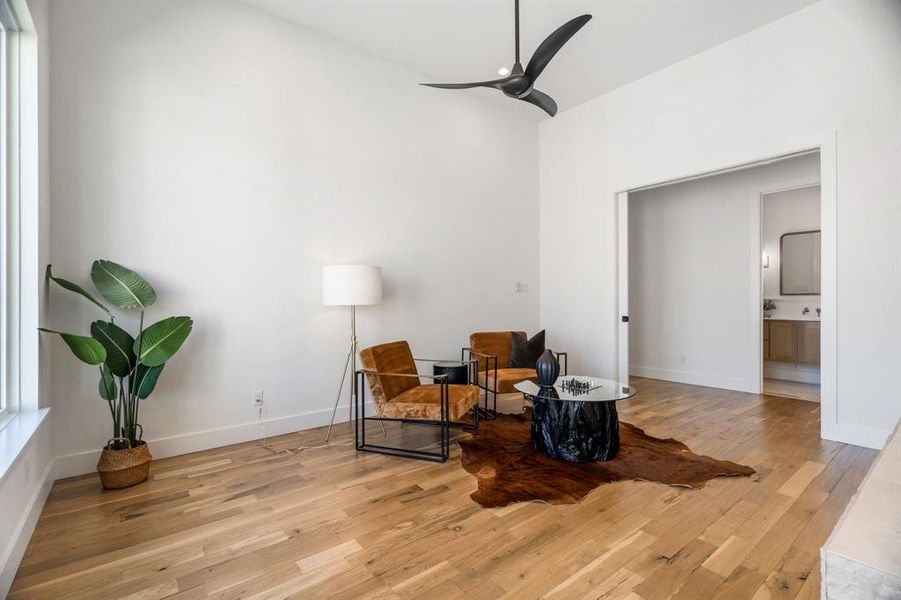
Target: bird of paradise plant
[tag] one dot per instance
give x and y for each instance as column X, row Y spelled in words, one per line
column 129, row 366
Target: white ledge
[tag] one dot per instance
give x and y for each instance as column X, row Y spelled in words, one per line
column 16, row 434
column 861, row 559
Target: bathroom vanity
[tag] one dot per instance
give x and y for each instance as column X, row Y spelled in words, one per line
column 788, row 341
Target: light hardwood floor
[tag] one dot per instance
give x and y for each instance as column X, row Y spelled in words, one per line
column 244, row 522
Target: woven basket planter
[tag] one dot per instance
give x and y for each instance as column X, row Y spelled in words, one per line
column 123, row 468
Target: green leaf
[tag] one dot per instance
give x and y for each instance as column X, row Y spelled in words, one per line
column 161, row 341
column 119, row 345
column 107, row 387
column 85, row 348
column 74, row 287
column 145, row 380
column 123, row 287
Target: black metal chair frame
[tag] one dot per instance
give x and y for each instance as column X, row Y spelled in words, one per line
column 444, row 423
column 491, row 414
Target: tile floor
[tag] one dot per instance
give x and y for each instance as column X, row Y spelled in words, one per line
column 791, row 389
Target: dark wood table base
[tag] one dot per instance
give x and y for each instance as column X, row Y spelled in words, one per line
column 575, row 431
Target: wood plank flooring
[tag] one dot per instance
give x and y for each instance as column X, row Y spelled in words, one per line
column 246, row 521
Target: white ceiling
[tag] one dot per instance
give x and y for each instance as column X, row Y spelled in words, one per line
column 468, row 40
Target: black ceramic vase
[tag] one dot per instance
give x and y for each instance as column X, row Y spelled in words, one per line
column 548, row 368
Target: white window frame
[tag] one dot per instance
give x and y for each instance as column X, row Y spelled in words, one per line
column 18, row 211
column 8, row 169
column 5, row 408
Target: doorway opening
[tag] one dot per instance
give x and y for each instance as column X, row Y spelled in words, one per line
column 790, row 272
column 691, row 282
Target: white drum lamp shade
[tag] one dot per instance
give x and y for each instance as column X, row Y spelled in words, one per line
column 351, row 285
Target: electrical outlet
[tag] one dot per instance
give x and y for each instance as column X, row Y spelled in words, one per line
column 520, row 288
column 258, row 398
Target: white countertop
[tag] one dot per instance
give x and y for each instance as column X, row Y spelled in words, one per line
column 793, row 318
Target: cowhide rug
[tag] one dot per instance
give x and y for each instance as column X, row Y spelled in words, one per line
column 500, row 455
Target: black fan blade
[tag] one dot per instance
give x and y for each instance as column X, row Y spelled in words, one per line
column 552, row 44
column 542, row 101
column 464, row 86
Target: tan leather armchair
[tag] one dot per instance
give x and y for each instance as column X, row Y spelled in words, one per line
column 491, row 351
column 399, row 395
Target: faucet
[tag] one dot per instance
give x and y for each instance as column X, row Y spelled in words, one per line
column 818, row 311
column 806, row 310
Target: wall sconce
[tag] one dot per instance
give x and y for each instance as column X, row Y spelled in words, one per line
column 766, row 261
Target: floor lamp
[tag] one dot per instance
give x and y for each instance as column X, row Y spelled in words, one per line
column 350, row 285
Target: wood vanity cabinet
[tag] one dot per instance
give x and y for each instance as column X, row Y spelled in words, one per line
column 792, row 341
column 783, row 341
column 808, row 342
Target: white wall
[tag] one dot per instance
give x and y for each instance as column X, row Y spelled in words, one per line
column 828, row 71
column 227, row 156
column 689, row 276
column 786, row 212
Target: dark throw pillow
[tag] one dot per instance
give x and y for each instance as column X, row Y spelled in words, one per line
column 525, row 353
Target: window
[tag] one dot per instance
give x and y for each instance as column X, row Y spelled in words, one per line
column 21, row 275
column 4, row 178
column 9, row 210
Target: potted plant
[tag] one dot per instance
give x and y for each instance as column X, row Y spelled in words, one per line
column 129, row 367
column 768, row 307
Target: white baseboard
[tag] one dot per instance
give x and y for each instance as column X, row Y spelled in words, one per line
column 80, row 463
column 855, row 435
column 789, row 372
column 9, row 563
column 716, row 381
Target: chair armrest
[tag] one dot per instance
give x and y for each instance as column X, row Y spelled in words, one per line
column 477, row 353
column 565, row 356
column 441, row 377
column 488, row 358
column 435, row 360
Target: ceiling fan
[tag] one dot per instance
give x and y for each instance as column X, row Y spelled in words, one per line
column 519, row 83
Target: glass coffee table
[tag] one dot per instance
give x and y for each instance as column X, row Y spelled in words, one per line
column 575, row 419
